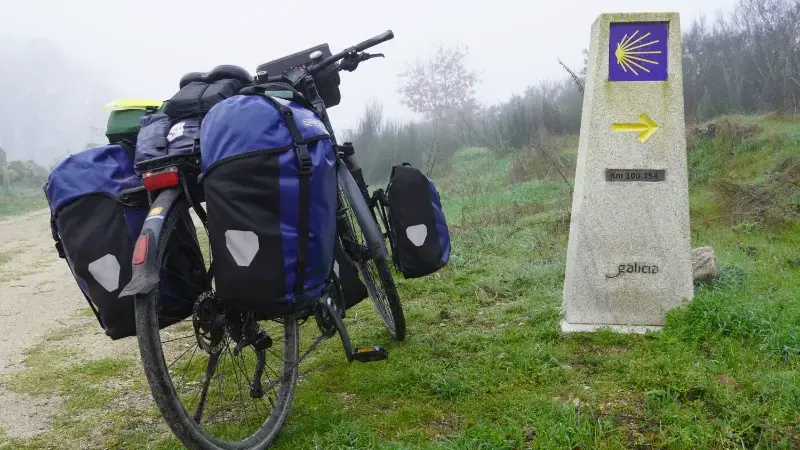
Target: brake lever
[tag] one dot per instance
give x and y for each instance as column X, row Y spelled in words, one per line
column 350, row 62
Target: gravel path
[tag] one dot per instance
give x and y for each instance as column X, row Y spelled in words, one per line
column 39, row 295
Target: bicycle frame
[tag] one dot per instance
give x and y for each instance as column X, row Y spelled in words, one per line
column 182, row 180
column 145, row 271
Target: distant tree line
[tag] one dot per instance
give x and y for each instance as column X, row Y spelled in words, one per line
column 746, row 61
column 51, row 102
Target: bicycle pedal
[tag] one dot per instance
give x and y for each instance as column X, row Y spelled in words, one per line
column 370, row 354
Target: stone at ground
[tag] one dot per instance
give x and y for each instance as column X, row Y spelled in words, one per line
column 629, row 253
column 704, row 264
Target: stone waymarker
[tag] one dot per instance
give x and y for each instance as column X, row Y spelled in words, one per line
column 629, row 254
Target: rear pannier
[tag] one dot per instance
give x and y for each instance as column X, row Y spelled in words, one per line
column 95, row 224
column 269, row 176
column 419, row 235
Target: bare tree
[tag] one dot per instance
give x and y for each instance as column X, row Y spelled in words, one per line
column 439, row 87
column 578, row 81
column 440, row 84
column 746, row 61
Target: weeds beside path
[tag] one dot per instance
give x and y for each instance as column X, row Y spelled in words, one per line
column 20, row 200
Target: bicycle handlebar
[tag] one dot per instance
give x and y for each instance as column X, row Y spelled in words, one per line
column 371, row 42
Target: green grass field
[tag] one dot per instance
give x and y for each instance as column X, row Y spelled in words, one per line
column 20, row 200
column 485, row 365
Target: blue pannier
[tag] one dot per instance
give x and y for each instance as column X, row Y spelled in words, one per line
column 419, row 234
column 95, row 224
column 269, row 176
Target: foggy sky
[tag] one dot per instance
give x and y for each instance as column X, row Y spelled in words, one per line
column 143, row 47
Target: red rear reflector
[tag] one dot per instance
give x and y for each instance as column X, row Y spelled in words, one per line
column 154, row 181
column 140, row 251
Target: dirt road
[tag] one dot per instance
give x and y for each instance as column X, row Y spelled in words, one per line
column 37, row 296
column 35, row 290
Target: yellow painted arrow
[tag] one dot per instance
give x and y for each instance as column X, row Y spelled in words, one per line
column 645, row 129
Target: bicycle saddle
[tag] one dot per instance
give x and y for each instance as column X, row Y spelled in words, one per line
column 225, row 71
column 221, row 72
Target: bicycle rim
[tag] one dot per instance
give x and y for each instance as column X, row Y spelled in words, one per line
column 377, row 277
column 221, row 427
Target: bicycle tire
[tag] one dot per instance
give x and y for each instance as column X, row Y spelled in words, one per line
column 393, row 317
column 164, row 394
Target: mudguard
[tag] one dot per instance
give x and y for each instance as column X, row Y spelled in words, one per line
column 145, row 275
column 363, row 215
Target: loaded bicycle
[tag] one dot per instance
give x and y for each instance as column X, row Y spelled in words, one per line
column 190, row 364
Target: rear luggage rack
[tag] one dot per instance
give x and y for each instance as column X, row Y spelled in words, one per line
column 134, row 197
column 191, row 159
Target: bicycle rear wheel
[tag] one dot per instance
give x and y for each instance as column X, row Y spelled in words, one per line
column 203, row 413
column 373, row 265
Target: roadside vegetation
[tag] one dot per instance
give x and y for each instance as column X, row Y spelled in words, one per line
column 485, row 364
column 15, row 201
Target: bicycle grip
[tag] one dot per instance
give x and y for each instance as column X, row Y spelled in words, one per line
column 371, row 42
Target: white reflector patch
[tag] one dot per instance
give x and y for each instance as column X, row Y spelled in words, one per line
column 243, row 246
column 106, row 272
column 176, row 131
column 336, row 267
column 417, row 234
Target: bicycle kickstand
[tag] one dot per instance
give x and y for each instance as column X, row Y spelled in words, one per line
column 361, row 354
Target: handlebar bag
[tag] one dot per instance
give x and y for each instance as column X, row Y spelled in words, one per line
column 95, row 226
column 269, row 176
column 420, row 238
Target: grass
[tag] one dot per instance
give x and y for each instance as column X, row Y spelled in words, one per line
column 485, row 365
column 20, row 200
column 93, row 412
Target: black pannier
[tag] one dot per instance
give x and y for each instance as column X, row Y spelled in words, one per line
column 96, row 219
column 269, row 177
column 418, row 234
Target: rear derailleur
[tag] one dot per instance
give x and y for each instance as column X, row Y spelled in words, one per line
column 246, row 332
column 210, row 324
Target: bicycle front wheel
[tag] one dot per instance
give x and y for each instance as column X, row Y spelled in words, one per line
column 211, row 393
column 358, row 232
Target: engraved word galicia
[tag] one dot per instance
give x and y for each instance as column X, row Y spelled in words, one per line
column 649, row 269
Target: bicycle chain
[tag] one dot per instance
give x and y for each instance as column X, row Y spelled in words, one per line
column 207, row 343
